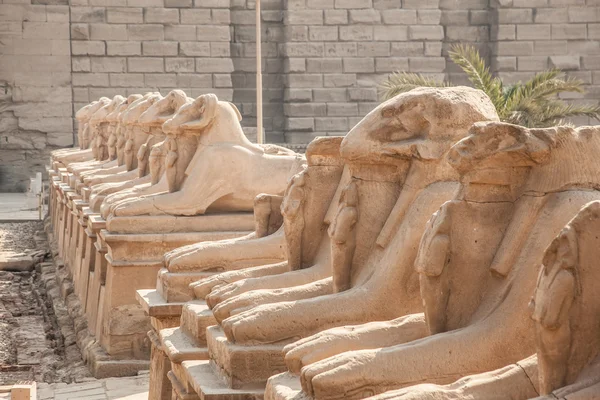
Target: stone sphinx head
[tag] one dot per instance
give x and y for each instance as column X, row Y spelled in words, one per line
column 87, row 133
column 417, row 124
column 112, row 120
column 82, row 116
column 99, row 124
column 164, row 109
column 495, row 159
column 204, row 112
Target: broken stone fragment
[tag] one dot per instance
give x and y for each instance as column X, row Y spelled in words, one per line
column 11, row 261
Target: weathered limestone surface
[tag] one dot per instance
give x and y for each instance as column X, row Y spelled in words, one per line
column 539, row 188
column 379, row 163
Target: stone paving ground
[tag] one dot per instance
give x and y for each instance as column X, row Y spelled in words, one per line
column 18, row 207
column 131, row 388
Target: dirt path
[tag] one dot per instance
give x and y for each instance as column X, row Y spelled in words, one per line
column 32, row 344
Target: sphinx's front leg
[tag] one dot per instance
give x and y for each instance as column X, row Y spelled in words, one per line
column 281, row 280
column 335, row 341
column 244, row 252
column 154, row 204
column 271, row 323
column 203, row 287
column 513, row 382
column 440, row 359
column 136, row 206
column 202, row 254
column 254, row 298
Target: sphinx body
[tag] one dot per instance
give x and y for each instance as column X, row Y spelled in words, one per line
column 564, row 310
column 555, row 190
column 200, row 136
column 398, row 177
column 98, row 127
column 64, row 157
column 151, row 153
column 136, row 138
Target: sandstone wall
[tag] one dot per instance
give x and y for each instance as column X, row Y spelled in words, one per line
column 323, row 59
column 35, row 88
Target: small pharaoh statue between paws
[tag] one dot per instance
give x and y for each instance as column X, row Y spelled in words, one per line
column 156, row 162
column 292, row 209
column 142, row 159
column 112, row 146
column 343, row 238
column 171, row 164
column 128, row 154
column 267, row 214
column 433, row 256
column 551, row 303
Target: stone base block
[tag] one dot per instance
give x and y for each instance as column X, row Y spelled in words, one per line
column 179, row 392
column 175, row 286
column 210, row 386
column 153, row 246
column 243, row 366
column 104, row 366
column 160, row 385
column 180, row 347
column 284, row 386
column 242, row 221
column 196, row 317
column 154, row 305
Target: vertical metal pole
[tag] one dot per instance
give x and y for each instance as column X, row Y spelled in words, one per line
column 259, row 100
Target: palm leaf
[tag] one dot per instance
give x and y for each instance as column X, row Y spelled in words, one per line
column 542, row 85
column 400, row 82
column 558, row 111
column 468, row 58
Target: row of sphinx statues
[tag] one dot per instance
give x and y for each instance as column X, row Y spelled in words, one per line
column 432, row 253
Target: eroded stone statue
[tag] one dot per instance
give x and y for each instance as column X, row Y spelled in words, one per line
column 397, row 173
column 473, row 320
column 343, row 238
column 152, row 153
column 136, row 137
column 565, row 317
column 202, row 134
column 319, row 181
column 84, row 153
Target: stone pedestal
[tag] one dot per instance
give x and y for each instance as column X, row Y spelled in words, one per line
column 70, row 240
column 233, row 371
column 283, row 387
column 132, row 263
column 185, row 343
column 78, row 248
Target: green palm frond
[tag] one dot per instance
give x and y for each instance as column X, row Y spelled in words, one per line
column 543, row 85
column 400, row 82
column 558, row 111
column 468, row 58
column 534, row 103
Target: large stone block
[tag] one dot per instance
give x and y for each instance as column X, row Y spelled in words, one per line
column 88, row 14
column 145, row 64
column 145, row 32
column 569, row 31
column 390, row 33
column 109, row 64
column 159, row 48
column 124, row 15
column 123, row 48
column 161, row 16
